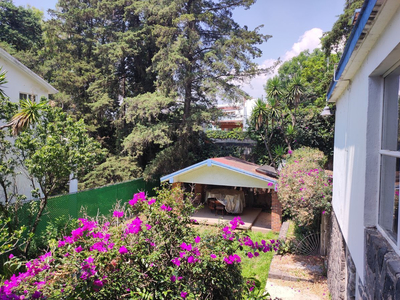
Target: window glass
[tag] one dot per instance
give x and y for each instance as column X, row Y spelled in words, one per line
column 389, row 195
column 391, row 121
column 390, row 161
column 23, row 96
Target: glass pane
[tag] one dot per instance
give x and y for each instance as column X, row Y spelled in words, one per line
column 389, row 195
column 391, row 112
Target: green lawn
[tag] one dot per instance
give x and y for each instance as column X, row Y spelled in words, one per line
column 258, row 267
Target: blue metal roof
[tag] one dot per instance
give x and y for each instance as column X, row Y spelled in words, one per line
column 352, row 41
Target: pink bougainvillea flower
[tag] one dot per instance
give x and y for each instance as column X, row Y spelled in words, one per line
column 191, row 259
column 197, row 239
column 290, row 152
column 250, row 255
column 256, row 254
column 184, row 295
column 182, row 254
column 270, row 184
column 133, row 201
column 148, row 226
column 118, row 214
column 123, row 250
column 173, row 278
column 213, row 255
column 151, row 201
column 11, row 256
column 98, row 283
column 69, row 239
column 176, row 261
column 134, row 227
column 165, row 207
column 324, row 212
column 78, row 249
column 61, row 244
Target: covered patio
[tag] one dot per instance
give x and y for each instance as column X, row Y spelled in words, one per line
column 239, row 188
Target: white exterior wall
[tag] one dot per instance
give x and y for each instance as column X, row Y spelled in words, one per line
column 220, row 176
column 20, row 81
column 355, row 190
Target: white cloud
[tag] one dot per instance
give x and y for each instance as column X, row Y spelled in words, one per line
column 309, row 40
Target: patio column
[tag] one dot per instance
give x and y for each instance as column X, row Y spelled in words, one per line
column 199, row 192
column 276, row 212
column 177, row 187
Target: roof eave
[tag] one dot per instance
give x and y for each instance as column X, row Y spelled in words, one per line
column 353, row 56
column 210, row 162
column 30, row 73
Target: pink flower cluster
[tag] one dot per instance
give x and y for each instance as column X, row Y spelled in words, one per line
column 33, row 268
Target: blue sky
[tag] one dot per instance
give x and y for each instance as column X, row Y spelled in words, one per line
column 296, row 25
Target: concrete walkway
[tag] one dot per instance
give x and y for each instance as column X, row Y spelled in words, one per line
column 296, row 276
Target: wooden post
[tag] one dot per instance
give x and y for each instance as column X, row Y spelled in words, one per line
column 199, row 193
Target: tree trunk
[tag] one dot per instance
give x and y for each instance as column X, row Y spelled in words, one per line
column 43, row 204
column 266, row 143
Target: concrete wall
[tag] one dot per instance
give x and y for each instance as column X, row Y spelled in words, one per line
column 356, row 156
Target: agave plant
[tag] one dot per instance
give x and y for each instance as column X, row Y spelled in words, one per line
column 3, row 81
column 28, row 114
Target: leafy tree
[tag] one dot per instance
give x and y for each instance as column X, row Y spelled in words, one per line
column 290, row 117
column 54, row 148
column 202, row 54
column 334, row 40
column 19, row 26
column 8, row 163
column 115, row 169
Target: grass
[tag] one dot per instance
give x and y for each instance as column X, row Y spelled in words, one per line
column 258, row 267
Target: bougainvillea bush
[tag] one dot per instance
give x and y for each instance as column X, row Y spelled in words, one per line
column 148, row 249
column 304, row 187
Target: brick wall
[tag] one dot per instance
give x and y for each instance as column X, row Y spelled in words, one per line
column 276, row 212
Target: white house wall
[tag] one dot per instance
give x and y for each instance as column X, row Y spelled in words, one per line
column 216, row 175
column 19, row 81
column 351, row 178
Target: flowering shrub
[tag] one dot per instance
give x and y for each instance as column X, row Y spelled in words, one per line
column 304, row 188
column 147, row 249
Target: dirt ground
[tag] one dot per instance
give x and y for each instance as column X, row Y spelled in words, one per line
column 306, row 274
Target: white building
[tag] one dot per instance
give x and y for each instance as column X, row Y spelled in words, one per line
column 364, row 256
column 22, row 83
column 236, row 115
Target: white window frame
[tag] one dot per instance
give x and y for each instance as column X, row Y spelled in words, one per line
column 387, row 153
column 27, row 95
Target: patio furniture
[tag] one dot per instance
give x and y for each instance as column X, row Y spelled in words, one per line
column 233, row 200
column 219, row 207
column 211, row 203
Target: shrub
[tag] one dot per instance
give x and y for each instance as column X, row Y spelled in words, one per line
column 305, row 190
column 146, row 250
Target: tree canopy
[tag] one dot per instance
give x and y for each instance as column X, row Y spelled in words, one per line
column 19, row 26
